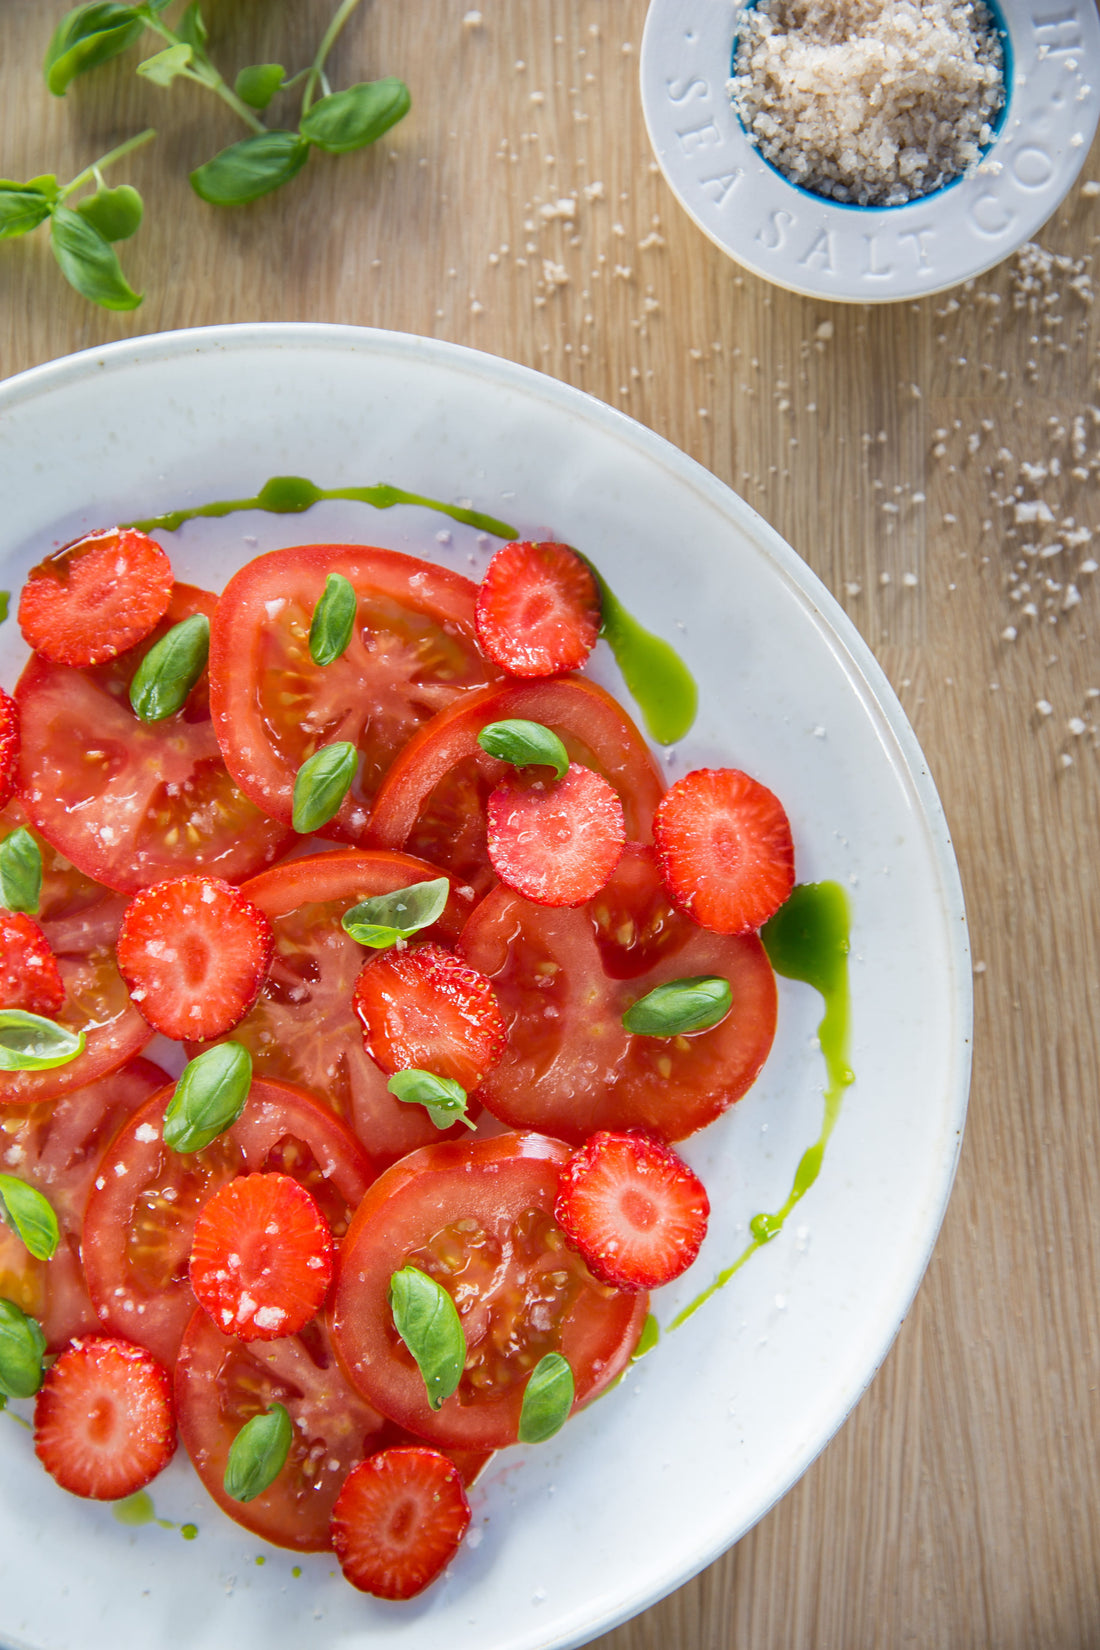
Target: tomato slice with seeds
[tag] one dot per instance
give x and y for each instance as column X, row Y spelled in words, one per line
column 146, row 1198
column 129, row 802
column 413, row 651
column 478, row 1217
column 564, row 978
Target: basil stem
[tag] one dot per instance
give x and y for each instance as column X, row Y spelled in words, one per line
column 209, row 1097
column 30, row 1043
column 442, row 1098
column 22, row 1347
column 258, row 1454
column 20, row 872
column 382, row 921
column 323, row 782
column 692, row 1004
column 547, row 1399
column 525, row 744
column 170, row 670
column 333, row 620
column 427, row 1320
column 29, row 1214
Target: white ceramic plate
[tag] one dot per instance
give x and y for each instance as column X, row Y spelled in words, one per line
column 653, row 1482
column 867, row 254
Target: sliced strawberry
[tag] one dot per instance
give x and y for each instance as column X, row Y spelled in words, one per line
column 555, row 841
column 725, row 850
column 29, row 975
column 538, row 610
column 425, row 1009
column 9, row 747
column 261, row 1257
column 399, row 1520
column 194, row 954
column 633, row 1209
column 104, row 1425
column 95, row 598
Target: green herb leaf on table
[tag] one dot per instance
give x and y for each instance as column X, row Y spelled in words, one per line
column 163, row 67
column 22, row 1348
column 28, row 1042
column 20, row 872
column 209, row 1097
column 321, row 785
column 353, row 118
column 443, row 1099
column 5, row 598
column 386, row 918
column 547, row 1399
column 333, row 620
column 88, row 35
column 258, row 1454
column 23, row 206
column 525, row 744
column 427, row 1320
column 88, row 261
column 29, row 1214
column 116, row 213
column 251, row 168
column 257, row 85
column 170, row 669
column 191, row 27
column 692, row 1004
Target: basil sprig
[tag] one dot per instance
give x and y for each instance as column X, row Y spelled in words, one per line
column 170, row 669
column 29, row 1214
column 443, row 1099
column 547, row 1399
column 209, row 1097
column 22, row 1348
column 28, row 1042
column 333, row 620
column 427, row 1320
column 20, row 872
column 692, row 1004
column 351, row 119
column 258, row 1454
column 386, row 918
column 322, row 783
column 525, row 744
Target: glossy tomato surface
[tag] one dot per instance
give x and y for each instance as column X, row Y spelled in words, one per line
column 478, row 1217
column 413, row 651
column 564, row 979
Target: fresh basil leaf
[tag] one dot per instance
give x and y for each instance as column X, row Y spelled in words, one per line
column 163, row 67
column 87, row 36
column 353, row 118
column 321, row 785
column 192, row 29
column 209, row 1097
column 30, row 1043
column 88, row 262
column 29, row 1213
column 691, row 1004
column 116, row 213
column 22, row 1348
column 258, row 1454
column 525, row 744
column 22, row 208
column 382, row 921
column 333, row 620
column 20, row 872
column 547, row 1399
column 443, row 1099
column 170, row 670
column 427, row 1320
column 251, row 168
column 257, row 85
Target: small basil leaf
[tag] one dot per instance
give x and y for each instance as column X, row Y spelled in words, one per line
column 209, row 1097
column 322, row 783
column 382, row 921
column 257, row 85
column 692, row 1004
column 333, row 620
column 193, row 30
column 22, row 208
column 28, row 1213
column 427, row 1320
column 87, row 36
column 116, row 213
column 22, row 1347
column 547, row 1399
column 30, row 1043
column 525, row 744
column 443, row 1099
column 163, row 67
column 170, row 670
column 20, row 872
column 353, row 118
column 258, row 1454
column 251, row 168
column 88, row 262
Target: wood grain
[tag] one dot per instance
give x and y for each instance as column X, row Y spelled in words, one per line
column 958, row 1507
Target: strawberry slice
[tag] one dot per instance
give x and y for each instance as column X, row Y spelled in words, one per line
column 9, row 747
column 555, row 842
column 633, row 1209
column 29, row 975
column 261, row 1257
column 194, row 953
column 95, row 598
column 538, row 610
column 104, row 1424
column 399, row 1520
column 725, row 849
column 423, row 1008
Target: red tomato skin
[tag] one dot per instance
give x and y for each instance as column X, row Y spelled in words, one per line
column 497, row 1180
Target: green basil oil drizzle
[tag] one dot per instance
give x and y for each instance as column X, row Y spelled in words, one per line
column 138, row 1509
column 806, row 940
column 5, row 597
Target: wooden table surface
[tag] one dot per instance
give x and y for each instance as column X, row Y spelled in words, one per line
column 898, row 449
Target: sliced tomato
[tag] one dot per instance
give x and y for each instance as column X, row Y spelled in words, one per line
column 434, row 798
column 413, row 651
column 564, row 978
column 130, row 802
column 303, row 1028
column 222, row 1383
column 56, row 1148
column 478, row 1217
column 146, row 1198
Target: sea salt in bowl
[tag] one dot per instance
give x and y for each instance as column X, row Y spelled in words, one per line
column 871, row 254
